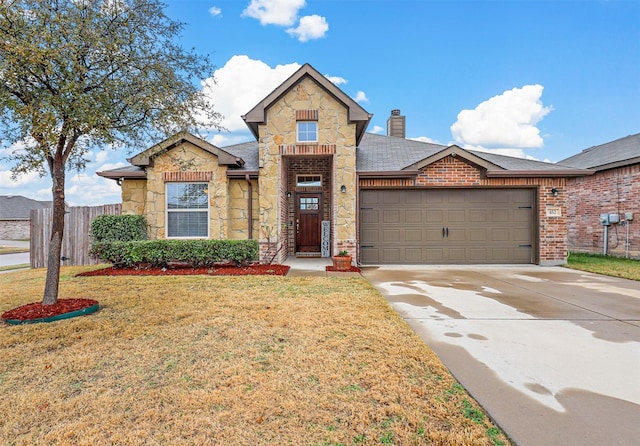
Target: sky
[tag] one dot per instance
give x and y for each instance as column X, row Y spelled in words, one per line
column 541, row 79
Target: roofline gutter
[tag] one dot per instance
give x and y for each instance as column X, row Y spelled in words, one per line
column 539, row 173
column 615, row 164
column 118, row 176
column 388, row 174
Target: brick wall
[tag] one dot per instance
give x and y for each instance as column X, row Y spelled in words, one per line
column 614, row 191
column 307, row 166
column 453, row 172
column 14, row 229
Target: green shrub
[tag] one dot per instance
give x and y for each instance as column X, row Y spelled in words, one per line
column 118, row 228
column 161, row 253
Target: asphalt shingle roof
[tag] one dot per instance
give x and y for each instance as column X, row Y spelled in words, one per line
column 17, row 207
column 380, row 153
column 615, row 152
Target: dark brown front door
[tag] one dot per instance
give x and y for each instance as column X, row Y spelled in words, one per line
column 308, row 218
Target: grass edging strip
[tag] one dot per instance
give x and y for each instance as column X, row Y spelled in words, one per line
column 69, row 315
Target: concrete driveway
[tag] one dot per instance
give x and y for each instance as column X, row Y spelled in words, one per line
column 552, row 354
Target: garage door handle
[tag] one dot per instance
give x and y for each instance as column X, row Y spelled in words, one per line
column 442, row 232
column 447, row 232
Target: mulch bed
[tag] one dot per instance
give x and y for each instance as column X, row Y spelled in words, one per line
column 38, row 311
column 352, row 269
column 250, row 270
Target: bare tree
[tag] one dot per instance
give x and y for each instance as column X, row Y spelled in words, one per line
column 81, row 74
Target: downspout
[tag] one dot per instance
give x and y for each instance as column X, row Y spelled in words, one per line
column 250, row 206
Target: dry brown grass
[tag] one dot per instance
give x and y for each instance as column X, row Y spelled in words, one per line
column 197, row 360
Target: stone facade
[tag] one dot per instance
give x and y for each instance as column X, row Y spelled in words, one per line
column 228, row 199
column 264, row 207
column 336, row 138
column 613, row 191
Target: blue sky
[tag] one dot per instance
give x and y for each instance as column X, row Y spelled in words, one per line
column 539, row 79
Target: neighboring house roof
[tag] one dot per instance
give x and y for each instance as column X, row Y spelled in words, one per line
column 619, row 153
column 356, row 114
column 17, row 207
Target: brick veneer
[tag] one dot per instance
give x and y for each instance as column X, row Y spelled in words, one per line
column 453, row 172
column 608, row 191
column 306, row 166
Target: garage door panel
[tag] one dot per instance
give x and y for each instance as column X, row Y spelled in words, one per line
column 478, row 215
column 413, row 216
column 477, row 235
column 522, row 215
column 435, row 216
column 391, row 216
column 456, row 216
column 521, row 235
column 393, row 197
column 500, row 216
column 413, row 255
column 447, row 226
column 391, row 236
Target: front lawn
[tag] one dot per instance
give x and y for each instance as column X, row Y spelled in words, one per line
column 198, row 360
column 606, row 265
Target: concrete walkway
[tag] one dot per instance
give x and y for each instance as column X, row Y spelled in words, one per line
column 552, row 354
column 313, row 266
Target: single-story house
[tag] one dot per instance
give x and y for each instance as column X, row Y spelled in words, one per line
column 314, row 182
column 614, row 190
column 15, row 216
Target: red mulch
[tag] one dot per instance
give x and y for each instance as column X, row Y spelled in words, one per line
column 38, row 311
column 352, row 269
column 251, row 270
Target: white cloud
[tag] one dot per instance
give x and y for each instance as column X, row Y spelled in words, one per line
column 377, row 129
column 20, row 181
column 214, row 11
column 361, row 97
column 102, row 156
column 91, row 190
column 242, row 83
column 310, row 27
column 274, row 12
column 507, row 120
column 336, row 80
column 424, row 139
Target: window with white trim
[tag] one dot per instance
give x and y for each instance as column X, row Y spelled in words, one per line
column 187, row 210
column 307, row 131
column 308, row 180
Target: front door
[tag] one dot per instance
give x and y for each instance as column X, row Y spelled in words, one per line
column 308, row 222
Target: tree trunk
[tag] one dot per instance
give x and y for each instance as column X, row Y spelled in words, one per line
column 57, row 231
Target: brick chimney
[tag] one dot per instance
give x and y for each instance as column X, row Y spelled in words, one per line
column 396, row 124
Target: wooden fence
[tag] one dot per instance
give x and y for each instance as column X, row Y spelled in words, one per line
column 75, row 244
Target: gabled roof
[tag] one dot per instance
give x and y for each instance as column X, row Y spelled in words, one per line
column 145, row 158
column 356, row 114
column 619, row 153
column 381, row 154
column 17, row 207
